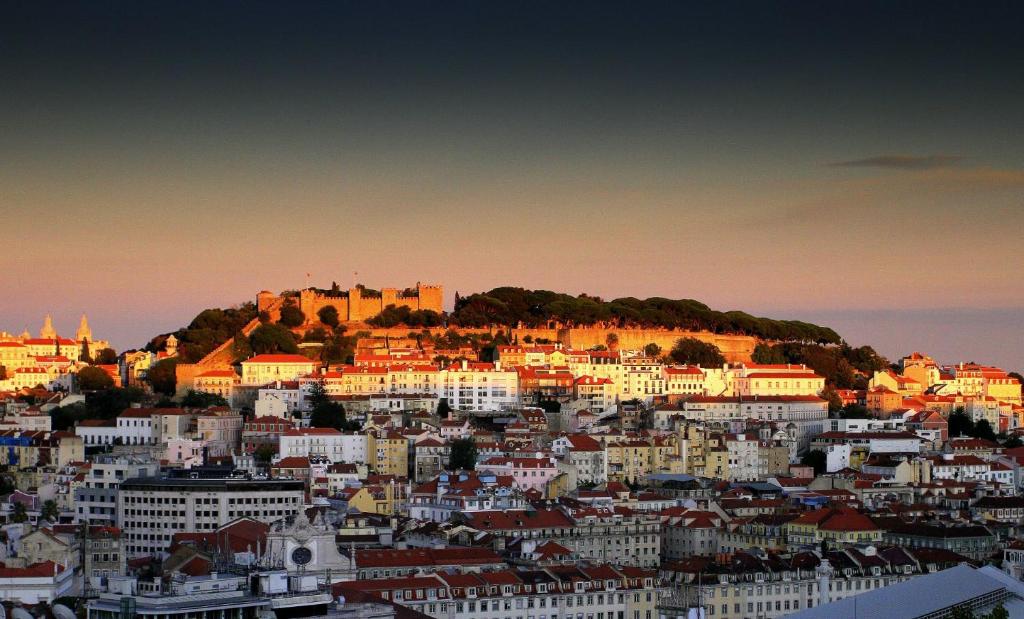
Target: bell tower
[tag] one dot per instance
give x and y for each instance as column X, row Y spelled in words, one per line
column 48, row 332
column 84, row 333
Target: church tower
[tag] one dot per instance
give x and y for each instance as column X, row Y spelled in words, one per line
column 84, row 332
column 48, row 332
column 171, row 346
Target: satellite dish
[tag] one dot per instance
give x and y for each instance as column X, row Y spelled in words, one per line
column 20, row 613
column 61, row 611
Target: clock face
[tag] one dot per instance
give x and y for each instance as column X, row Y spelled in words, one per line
column 302, row 555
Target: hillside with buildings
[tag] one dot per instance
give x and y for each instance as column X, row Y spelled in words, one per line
column 332, row 324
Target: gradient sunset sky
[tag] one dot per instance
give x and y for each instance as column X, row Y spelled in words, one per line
column 858, row 164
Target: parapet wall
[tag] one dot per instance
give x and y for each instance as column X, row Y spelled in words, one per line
column 735, row 348
column 354, row 305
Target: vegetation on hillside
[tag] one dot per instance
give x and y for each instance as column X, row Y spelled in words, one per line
column 843, row 367
column 537, row 308
column 207, row 331
column 395, row 315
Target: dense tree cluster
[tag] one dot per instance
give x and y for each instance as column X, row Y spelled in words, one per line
column 105, row 356
column 463, row 455
column 327, row 413
column 207, row 331
column 692, row 351
column 961, row 424
column 270, row 338
column 162, row 377
column 842, row 366
column 292, row 316
column 328, row 315
column 401, row 315
column 105, row 404
column 93, row 378
column 537, row 308
column 201, row 399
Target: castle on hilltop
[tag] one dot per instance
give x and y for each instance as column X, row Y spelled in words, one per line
column 357, row 304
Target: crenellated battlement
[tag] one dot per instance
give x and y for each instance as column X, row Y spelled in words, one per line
column 355, row 304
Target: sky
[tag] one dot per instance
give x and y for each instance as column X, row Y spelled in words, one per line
column 854, row 163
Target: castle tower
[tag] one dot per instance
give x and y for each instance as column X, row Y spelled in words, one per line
column 48, row 332
column 25, row 335
column 84, row 332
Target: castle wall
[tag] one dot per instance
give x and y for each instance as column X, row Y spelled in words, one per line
column 735, row 348
column 354, row 307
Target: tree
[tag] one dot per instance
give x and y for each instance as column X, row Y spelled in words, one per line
column 855, row 411
column 50, row 511
column 84, row 355
column 983, row 429
column 270, row 338
column 527, row 339
column 162, row 377
column 816, row 459
column 105, row 356
column 292, row 316
column 92, row 378
column 652, row 350
column 208, row 330
column 339, row 349
column 1013, row 441
column 961, row 612
column 835, row 403
column 999, row 612
column 265, row 453
column 240, row 347
column 443, row 408
column 318, row 393
column 612, row 341
column 316, row 334
column 462, row 455
column 960, row 424
column 328, row 315
column 19, row 513
column 328, row 415
column 692, row 351
column 201, row 399
column 764, row 353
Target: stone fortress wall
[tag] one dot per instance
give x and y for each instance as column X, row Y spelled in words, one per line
column 355, row 305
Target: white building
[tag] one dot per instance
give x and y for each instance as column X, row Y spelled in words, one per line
column 264, row 369
column 472, row 385
column 152, row 509
column 585, row 455
column 96, row 496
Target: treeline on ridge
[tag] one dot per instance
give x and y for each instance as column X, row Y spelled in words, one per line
column 511, row 307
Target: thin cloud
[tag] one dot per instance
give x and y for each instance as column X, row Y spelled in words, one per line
column 902, row 162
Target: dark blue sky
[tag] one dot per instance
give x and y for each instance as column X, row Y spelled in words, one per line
column 783, row 158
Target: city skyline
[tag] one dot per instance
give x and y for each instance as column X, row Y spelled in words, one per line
column 856, row 163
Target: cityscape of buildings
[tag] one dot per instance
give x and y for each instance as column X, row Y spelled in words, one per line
column 512, row 310
column 445, row 471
